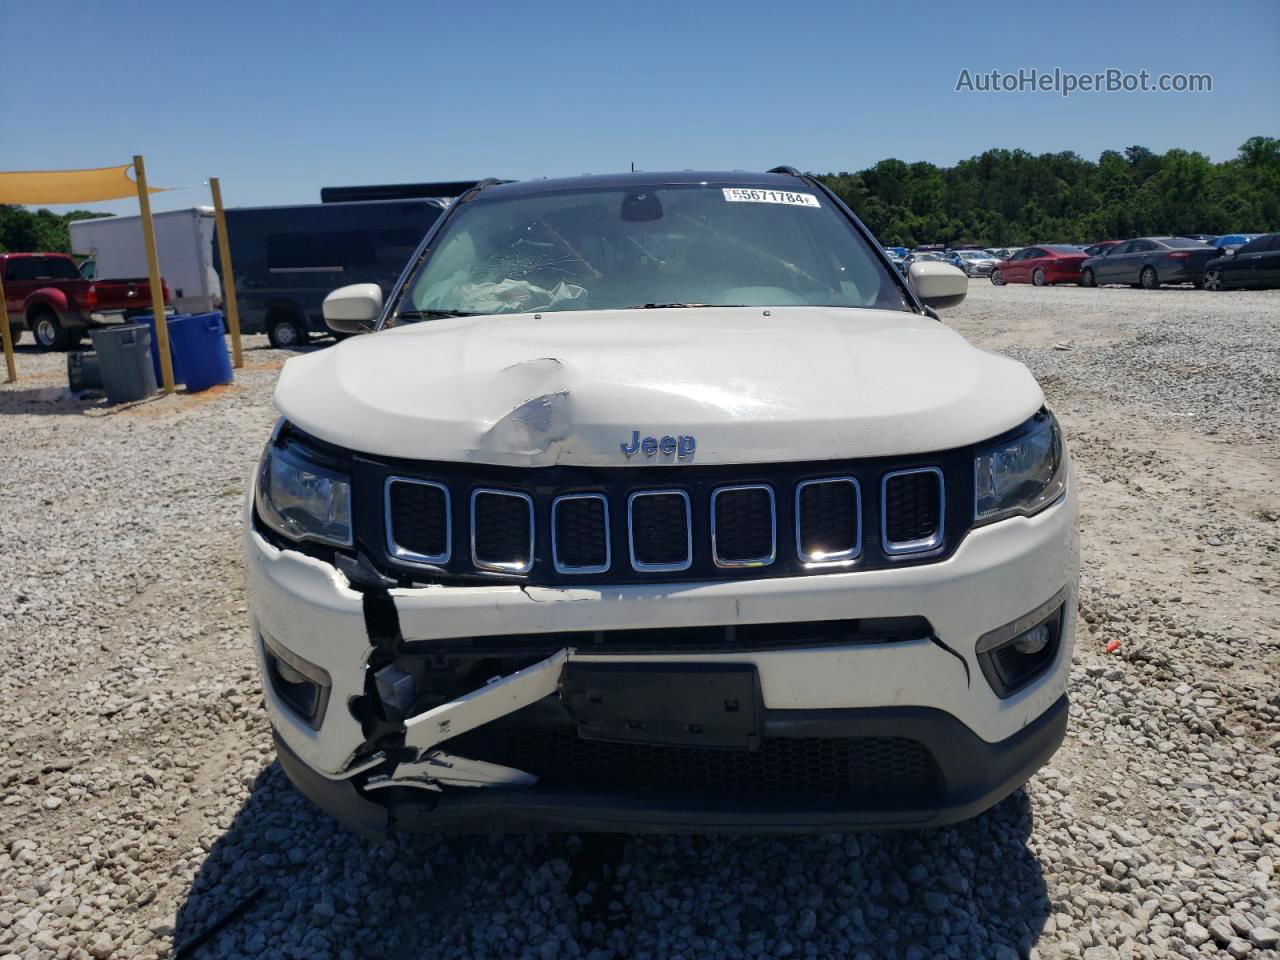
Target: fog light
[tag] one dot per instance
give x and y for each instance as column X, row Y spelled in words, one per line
column 1033, row 641
column 1014, row 655
column 287, row 673
column 302, row 686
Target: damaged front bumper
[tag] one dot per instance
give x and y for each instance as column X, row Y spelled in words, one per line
column 477, row 757
column 977, row 775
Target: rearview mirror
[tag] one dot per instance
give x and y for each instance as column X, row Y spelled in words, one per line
column 938, row 285
column 353, row 309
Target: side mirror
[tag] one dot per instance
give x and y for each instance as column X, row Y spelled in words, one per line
column 353, row 309
column 938, row 285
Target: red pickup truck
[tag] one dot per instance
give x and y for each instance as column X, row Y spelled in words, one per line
column 44, row 293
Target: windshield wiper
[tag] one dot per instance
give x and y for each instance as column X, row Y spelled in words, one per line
column 666, row 306
column 433, row 314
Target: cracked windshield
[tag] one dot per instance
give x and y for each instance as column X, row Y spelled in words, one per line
column 613, row 249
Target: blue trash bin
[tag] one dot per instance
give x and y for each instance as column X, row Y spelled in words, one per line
column 200, row 348
column 173, row 322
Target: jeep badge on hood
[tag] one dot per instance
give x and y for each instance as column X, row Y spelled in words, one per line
column 682, row 446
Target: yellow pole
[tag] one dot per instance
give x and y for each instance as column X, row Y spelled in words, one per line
column 6, row 335
column 153, row 273
column 228, row 275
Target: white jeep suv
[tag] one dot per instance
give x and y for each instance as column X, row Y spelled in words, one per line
column 660, row 502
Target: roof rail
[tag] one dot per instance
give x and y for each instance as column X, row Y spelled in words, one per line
column 395, row 191
column 790, row 171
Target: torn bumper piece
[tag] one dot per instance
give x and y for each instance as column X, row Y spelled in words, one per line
column 701, row 706
column 501, row 696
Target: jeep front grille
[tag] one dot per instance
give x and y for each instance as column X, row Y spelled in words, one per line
column 566, row 525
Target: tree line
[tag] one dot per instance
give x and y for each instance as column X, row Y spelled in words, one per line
column 37, row 231
column 1004, row 197
column 1015, row 198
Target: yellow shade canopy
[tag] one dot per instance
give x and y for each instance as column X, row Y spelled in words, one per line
column 69, row 186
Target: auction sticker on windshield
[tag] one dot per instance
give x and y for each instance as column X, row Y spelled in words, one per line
column 750, row 195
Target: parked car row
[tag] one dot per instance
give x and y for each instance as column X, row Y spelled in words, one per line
column 975, row 263
column 1147, row 262
column 972, row 260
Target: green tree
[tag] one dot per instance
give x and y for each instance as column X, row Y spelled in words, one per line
column 37, row 231
column 1013, row 197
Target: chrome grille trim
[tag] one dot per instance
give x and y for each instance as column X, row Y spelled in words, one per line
column 499, row 566
column 898, row 548
column 403, row 554
column 773, row 529
column 631, row 536
column 844, row 557
column 608, row 545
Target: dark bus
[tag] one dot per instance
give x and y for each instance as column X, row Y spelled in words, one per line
column 287, row 259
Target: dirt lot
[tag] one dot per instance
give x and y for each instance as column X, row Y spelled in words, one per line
column 140, row 806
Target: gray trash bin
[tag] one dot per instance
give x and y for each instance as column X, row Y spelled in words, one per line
column 124, row 357
column 82, row 371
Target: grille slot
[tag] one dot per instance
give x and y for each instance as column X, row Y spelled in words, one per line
column 829, row 520
column 660, row 529
column 743, row 526
column 502, row 530
column 580, row 533
column 419, row 526
column 911, row 510
column 868, row 771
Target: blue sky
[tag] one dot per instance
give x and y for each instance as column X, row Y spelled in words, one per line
column 279, row 99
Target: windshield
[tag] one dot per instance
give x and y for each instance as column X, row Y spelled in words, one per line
column 630, row 247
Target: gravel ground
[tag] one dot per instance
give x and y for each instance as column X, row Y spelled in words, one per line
column 141, row 810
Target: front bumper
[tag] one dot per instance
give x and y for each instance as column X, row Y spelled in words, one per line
column 977, row 775
column 931, row 689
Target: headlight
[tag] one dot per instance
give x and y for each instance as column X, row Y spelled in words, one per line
column 303, row 500
column 1022, row 475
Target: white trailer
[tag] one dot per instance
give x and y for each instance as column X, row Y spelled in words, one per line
column 184, row 242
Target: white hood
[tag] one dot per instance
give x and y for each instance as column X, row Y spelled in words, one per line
column 803, row 383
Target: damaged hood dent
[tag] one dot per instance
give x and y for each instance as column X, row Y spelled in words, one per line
column 805, row 383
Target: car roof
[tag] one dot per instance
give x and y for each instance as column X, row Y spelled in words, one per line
column 606, row 181
column 19, row 256
column 440, row 202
